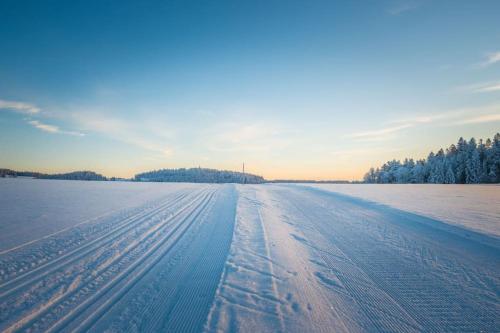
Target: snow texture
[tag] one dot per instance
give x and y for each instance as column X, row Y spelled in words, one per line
column 236, row 258
column 34, row 208
column 475, row 207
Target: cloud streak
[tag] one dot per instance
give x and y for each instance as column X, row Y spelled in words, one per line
column 402, row 7
column 485, row 87
column 457, row 117
column 491, row 58
column 240, row 137
column 19, row 107
column 51, row 128
column 32, row 110
column 380, row 134
column 489, row 88
column 480, row 119
column 122, row 131
column 44, row 127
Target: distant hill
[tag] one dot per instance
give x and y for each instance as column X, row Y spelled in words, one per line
column 76, row 175
column 193, row 175
column 12, row 173
column 198, row 175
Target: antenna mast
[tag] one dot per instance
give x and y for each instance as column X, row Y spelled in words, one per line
column 244, row 178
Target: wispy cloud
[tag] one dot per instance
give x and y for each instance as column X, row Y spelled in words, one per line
column 489, row 87
column 432, row 118
column 403, row 6
column 239, row 137
column 32, row 111
column 380, row 134
column 123, row 131
column 491, row 58
column 485, row 118
column 455, row 117
column 484, row 87
column 19, row 107
column 51, row 128
column 44, row 127
column 354, row 152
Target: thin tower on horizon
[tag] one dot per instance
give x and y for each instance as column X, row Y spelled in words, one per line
column 244, row 178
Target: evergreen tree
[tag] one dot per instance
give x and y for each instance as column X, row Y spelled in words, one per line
column 449, row 177
column 467, row 162
column 461, row 158
column 495, row 159
column 472, row 169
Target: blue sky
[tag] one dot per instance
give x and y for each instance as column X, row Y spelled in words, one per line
column 296, row 89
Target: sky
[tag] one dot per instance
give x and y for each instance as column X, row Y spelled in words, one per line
column 295, row 89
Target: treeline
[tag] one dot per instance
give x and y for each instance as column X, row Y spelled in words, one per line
column 76, row 175
column 12, row 173
column 198, row 175
column 193, row 175
column 467, row 162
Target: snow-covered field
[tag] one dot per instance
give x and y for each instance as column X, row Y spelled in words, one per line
column 475, row 207
column 87, row 256
column 34, row 208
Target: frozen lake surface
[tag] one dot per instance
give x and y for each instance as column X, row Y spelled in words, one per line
column 91, row 256
column 476, row 207
column 34, row 208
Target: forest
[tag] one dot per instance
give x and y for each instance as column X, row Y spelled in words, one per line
column 199, row 175
column 76, row 175
column 467, row 162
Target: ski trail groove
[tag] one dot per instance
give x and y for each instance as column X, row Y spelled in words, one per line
column 83, row 288
column 252, row 258
column 89, row 278
column 196, row 296
column 137, row 263
column 84, row 249
column 143, row 269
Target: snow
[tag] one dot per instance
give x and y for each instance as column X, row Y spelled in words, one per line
column 34, row 208
column 269, row 284
column 304, row 260
column 476, row 207
column 240, row 258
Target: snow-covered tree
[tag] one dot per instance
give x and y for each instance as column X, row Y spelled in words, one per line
column 449, row 176
column 466, row 162
column 473, row 168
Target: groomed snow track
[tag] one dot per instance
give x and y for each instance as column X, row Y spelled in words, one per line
column 154, row 269
column 251, row 258
column 324, row 262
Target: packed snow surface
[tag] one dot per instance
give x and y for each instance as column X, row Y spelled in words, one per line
column 235, row 258
column 476, row 207
column 34, row 208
